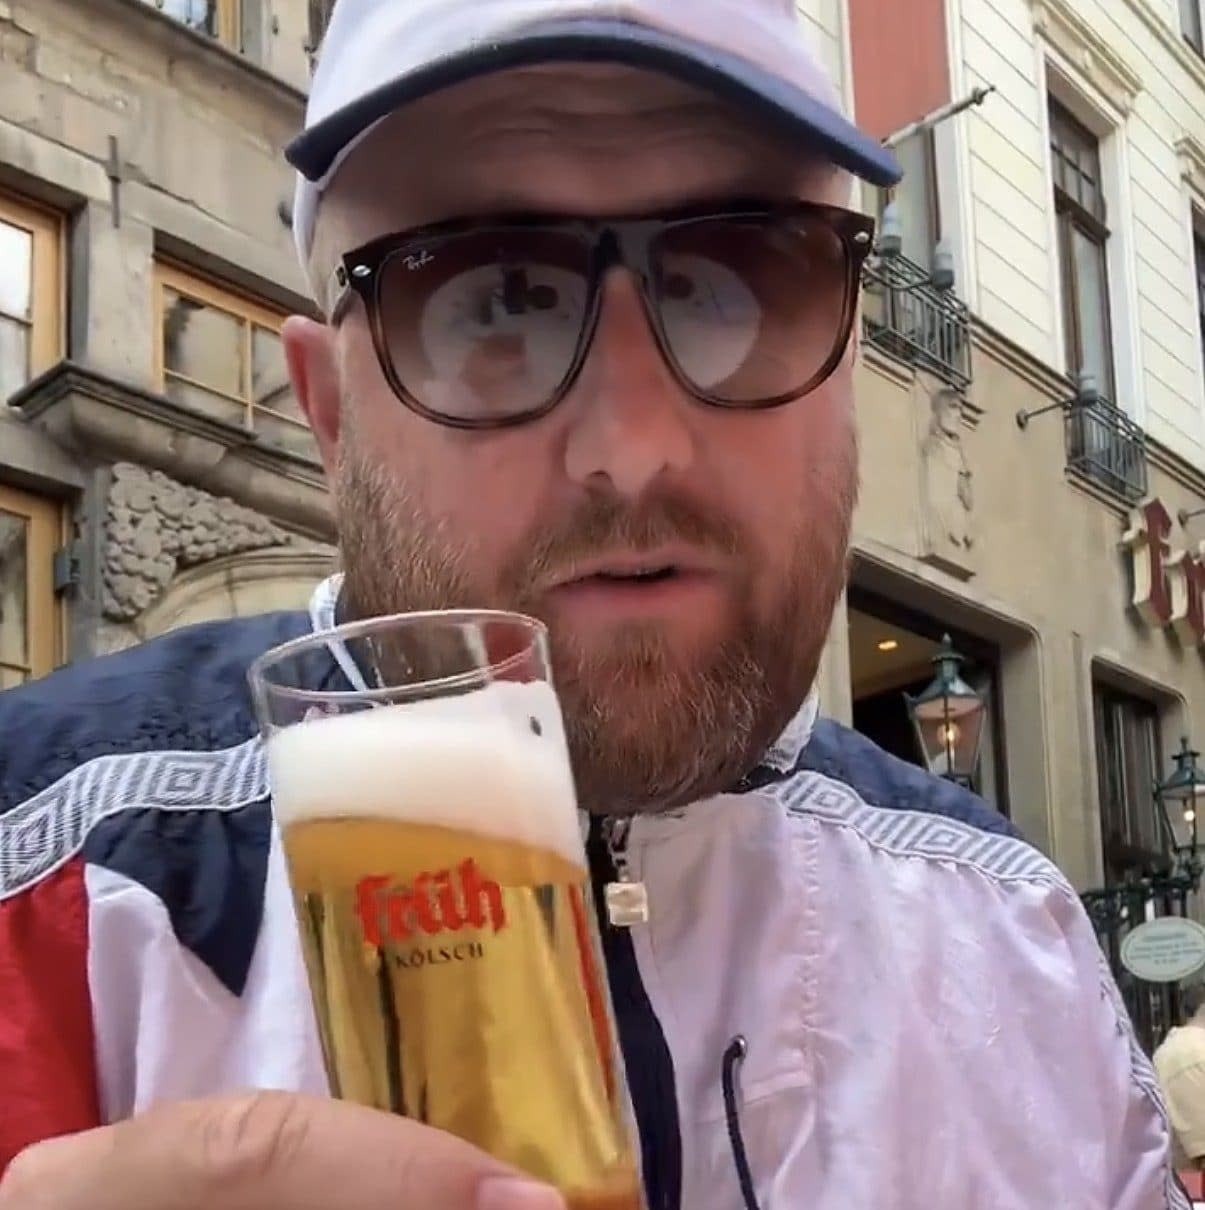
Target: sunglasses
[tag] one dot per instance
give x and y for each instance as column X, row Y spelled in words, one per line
column 486, row 323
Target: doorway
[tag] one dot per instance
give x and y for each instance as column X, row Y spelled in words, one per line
column 891, row 651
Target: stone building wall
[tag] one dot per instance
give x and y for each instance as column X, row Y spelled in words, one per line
column 151, row 143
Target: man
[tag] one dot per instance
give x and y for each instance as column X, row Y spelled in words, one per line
column 1180, row 1062
column 591, row 302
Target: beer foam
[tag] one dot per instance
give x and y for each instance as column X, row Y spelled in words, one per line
column 492, row 761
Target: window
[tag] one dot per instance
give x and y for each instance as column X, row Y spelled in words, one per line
column 1127, row 759
column 29, row 616
column 1079, row 202
column 218, row 19
column 220, row 353
column 1198, row 245
column 1192, row 24
column 915, row 199
column 319, row 18
column 31, row 294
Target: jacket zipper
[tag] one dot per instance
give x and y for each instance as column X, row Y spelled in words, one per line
column 647, row 1058
column 626, row 901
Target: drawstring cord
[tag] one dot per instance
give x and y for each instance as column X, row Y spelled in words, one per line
column 734, row 1056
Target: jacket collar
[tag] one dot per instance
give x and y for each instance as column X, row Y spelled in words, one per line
column 784, row 754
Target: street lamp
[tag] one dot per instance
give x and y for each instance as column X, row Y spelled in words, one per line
column 949, row 717
column 1180, row 797
column 1150, row 892
column 1086, row 397
column 891, row 230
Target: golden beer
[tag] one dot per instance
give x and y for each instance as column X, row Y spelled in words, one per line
column 446, row 920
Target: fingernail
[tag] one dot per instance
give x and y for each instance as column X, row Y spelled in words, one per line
column 506, row 1193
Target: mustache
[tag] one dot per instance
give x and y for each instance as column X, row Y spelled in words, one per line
column 603, row 524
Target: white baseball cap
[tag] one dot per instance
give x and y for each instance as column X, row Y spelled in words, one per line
column 380, row 55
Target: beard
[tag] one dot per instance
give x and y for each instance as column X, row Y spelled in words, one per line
column 648, row 727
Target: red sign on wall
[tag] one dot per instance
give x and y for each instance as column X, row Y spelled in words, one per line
column 1169, row 581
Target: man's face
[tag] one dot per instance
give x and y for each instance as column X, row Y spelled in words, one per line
column 672, row 688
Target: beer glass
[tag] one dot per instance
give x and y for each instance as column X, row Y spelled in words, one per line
column 421, row 785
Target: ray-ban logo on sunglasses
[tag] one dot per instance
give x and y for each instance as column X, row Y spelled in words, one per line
column 418, row 261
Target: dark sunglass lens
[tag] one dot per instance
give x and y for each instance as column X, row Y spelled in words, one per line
column 751, row 309
column 484, row 327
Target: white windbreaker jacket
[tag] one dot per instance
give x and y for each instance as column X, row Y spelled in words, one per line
column 927, row 1019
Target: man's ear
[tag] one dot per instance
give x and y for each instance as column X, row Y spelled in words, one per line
column 314, row 371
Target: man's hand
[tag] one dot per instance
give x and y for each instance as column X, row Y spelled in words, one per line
column 267, row 1151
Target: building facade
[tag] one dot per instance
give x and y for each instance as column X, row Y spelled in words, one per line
column 1032, row 409
column 153, row 467
column 1031, row 392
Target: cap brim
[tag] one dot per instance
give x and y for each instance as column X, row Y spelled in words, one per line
column 783, row 109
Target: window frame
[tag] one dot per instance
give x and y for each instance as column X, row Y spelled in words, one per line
column 230, row 23
column 1198, row 249
column 1126, row 710
column 47, row 319
column 1072, row 217
column 1192, row 24
column 251, row 313
column 46, row 619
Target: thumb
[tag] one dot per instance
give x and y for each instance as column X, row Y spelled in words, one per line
column 267, row 1151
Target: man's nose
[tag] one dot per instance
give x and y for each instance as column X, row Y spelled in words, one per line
column 630, row 417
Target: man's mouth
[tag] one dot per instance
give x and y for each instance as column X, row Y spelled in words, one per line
column 651, row 575
column 656, row 584
column 638, row 567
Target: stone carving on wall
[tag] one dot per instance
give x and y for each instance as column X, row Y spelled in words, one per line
column 156, row 528
column 947, row 488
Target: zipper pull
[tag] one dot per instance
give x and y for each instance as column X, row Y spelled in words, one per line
column 627, row 901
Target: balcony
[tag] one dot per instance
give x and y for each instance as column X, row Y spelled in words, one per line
column 910, row 316
column 1105, row 446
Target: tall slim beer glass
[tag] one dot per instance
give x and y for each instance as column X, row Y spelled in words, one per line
column 421, row 785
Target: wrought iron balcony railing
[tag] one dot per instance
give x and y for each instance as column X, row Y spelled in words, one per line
column 1106, row 446
column 906, row 315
